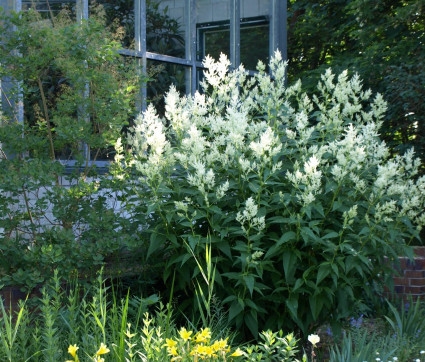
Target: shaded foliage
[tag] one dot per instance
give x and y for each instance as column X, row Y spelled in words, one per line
column 381, row 40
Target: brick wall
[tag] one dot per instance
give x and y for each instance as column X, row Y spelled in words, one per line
column 411, row 280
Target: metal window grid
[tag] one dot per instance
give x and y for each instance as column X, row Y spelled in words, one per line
column 277, row 36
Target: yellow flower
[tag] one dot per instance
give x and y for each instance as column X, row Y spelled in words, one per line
column 207, row 350
column 314, row 339
column 72, row 350
column 237, row 353
column 205, row 332
column 170, row 343
column 99, row 359
column 172, row 351
column 203, row 336
column 102, row 350
column 184, row 334
column 220, row 345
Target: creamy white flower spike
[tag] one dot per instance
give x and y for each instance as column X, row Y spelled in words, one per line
column 249, row 217
column 149, row 142
column 263, row 129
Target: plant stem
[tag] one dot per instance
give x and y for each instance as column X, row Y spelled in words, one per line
column 27, row 205
column 46, row 115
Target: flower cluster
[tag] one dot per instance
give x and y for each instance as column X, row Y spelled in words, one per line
column 198, row 347
column 103, row 349
column 249, row 216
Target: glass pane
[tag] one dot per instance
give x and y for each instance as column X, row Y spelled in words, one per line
column 254, row 42
column 163, row 75
column 213, row 24
column 165, row 27
column 119, row 16
column 49, row 8
column 254, row 32
column 216, row 41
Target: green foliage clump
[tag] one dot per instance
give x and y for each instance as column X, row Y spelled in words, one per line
column 78, row 94
column 296, row 195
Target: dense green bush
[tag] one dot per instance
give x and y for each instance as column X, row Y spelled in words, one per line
column 296, row 195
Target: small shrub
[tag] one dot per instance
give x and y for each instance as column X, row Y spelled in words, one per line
column 78, row 94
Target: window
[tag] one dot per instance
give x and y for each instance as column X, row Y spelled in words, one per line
column 214, row 38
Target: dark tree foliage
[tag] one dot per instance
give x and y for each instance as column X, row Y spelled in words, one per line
column 382, row 40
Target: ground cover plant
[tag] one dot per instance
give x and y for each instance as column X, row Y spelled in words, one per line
column 295, row 195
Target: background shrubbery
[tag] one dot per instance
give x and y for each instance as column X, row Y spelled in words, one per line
column 382, row 41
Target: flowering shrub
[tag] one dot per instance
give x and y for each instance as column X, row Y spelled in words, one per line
column 296, row 194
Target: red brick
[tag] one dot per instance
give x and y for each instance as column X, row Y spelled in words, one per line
column 417, row 281
column 419, row 264
column 415, row 290
column 401, row 281
column 403, row 262
column 400, row 289
column 414, row 273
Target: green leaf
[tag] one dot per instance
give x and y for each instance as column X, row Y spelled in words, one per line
column 230, row 298
column 194, row 241
column 215, row 210
column 319, row 208
column 298, row 284
column 253, row 187
column 249, row 282
column 224, row 247
column 290, row 261
column 156, row 241
column 292, row 304
column 234, row 310
column 275, row 249
column 323, row 272
column 308, row 235
column 252, row 323
column 331, row 235
column 316, row 305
